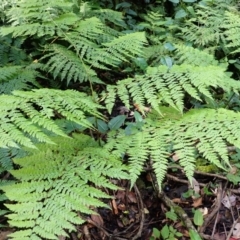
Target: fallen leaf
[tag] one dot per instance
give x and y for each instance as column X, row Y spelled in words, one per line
column 236, row 231
column 132, row 197
column 114, row 206
column 97, row 219
column 197, row 202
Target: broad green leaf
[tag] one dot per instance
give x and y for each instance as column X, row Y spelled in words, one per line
column 180, row 14
column 102, row 126
column 189, row 1
column 116, row 122
column 171, row 215
column 123, row 5
column 198, row 218
column 194, row 235
column 174, row 1
column 138, row 116
column 156, row 233
column 165, row 232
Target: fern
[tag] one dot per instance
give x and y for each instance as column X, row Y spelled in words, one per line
column 231, row 33
column 168, row 86
column 17, row 78
column 206, row 132
column 25, row 114
column 11, row 52
column 58, row 185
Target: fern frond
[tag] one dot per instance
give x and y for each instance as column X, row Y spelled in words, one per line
column 57, row 183
column 119, row 50
column 168, row 86
column 11, row 52
column 68, row 65
column 194, row 56
column 26, row 114
column 232, row 28
column 17, row 78
column 204, row 131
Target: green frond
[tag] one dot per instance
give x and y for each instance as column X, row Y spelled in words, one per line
column 168, row 86
column 11, row 52
column 24, row 115
column 232, row 28
column 66, row 64
column 17, row 78
column 120, row 49
column 203, row 131
column 194, row 56
column 57, row 186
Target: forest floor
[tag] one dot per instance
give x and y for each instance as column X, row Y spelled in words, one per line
column 143, row 213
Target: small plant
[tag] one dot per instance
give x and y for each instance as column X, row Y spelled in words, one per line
column 166, row 233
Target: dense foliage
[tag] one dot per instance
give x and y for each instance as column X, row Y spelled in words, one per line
column 142, row 80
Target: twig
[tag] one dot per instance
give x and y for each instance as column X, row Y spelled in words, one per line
column 86, row 232
column 215, row 223
column 232, row 228
column 214, row 211
column 140, row 203
column 176, row 179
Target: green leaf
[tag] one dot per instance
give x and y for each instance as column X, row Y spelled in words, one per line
column 180, row 14
column 198, row 218
column 169, row 46
column 141, row 63
column 156, row 233
column 138, row 116
column 123, row 5
column 233, row 178
column 116, row 122
column 189, row 1
column 165, row 232
column 174, row 1
column 171, row 215
column 194, row 235
column 102, row 126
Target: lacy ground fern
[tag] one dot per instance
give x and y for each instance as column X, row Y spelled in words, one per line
column 58, row 185
column 161, row 85
column 24, row 115
column 206, row 132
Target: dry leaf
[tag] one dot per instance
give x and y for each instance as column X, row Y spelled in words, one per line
column 229, row 201
column 197, row 202
column 132, row 197
column 236, row 231
column 97, row 219
column 114, row 206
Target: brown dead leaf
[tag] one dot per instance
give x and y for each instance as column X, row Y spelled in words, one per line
column 122, row 207
column 120, row 195
column 114, row 206
column 132, row 197
column 97, row 219
column 197, row 202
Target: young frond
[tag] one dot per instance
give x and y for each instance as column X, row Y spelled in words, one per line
column 25, row 114
column 58, row 184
